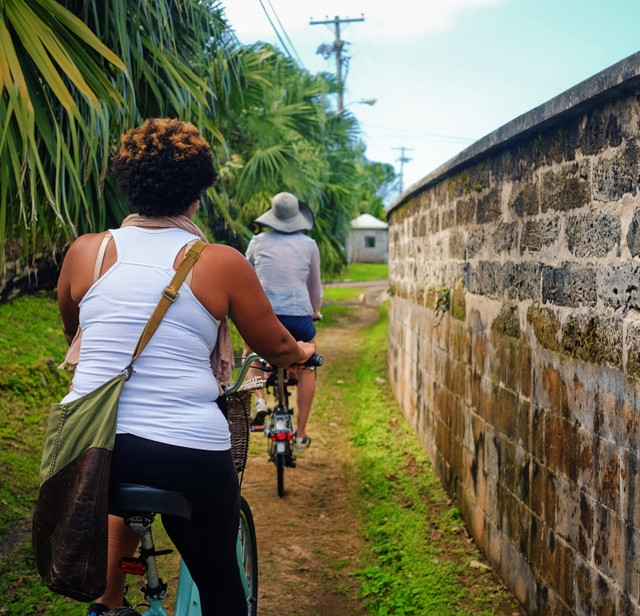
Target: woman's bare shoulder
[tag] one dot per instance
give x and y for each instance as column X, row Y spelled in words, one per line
column 223, row 254
column 86, row 243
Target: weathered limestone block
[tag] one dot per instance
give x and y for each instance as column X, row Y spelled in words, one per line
column 593, row 235
column 476, row 243
column 538, row 234
column 505, row 237
column 507, row 323
column 594, row 339
column 602, row 130
column 524, row 280
column 567, row 189
column 569, row 284
column 633, row 235
column 526, row 200
column 616, row 177
column 466, row 209
column 489, row 206
column 618, row 285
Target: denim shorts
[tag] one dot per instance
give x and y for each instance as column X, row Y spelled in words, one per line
column 301, row 328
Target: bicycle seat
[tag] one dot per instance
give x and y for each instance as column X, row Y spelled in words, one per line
column 127, row 498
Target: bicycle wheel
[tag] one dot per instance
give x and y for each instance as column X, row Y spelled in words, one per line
column 248, row 556
column 280, row 470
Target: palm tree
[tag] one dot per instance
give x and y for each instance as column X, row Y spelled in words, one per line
column 284, row 136
column 55, row 108
column 74, row 74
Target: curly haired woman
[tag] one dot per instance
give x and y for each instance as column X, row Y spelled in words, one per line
column 170, row 432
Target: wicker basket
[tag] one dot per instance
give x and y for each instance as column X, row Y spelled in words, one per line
column 239, row 417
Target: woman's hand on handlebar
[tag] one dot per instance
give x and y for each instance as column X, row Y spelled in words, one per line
column 307, row 349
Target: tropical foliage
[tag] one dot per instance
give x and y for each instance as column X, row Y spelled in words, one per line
column 75, row 74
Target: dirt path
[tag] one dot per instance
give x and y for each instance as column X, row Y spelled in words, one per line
column 308, row 541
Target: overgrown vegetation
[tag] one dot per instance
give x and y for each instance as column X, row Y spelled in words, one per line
column 419, row 556
column 79, row 74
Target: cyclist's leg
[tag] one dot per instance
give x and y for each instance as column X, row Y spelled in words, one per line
column 302, row 328
column 122, row 542
column 304, row 396
column 207, row 542
column 260, row 408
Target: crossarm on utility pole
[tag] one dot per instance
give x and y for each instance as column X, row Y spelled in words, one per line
column 337, row 47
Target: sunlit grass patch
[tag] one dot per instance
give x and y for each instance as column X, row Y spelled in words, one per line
column 342, row 294
column 364, row 271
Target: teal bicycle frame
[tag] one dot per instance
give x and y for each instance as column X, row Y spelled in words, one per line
column 188, row 597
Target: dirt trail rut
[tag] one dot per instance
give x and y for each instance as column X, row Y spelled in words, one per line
column 308, row 541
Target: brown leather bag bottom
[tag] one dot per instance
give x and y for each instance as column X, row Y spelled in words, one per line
column 70, row 527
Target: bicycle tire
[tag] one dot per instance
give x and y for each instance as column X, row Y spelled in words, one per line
column 122, row 611
column 249, row 546
column 280, row 472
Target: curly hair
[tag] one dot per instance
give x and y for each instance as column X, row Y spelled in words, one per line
column 163, row 166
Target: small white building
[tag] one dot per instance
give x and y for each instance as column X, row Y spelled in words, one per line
column 368, row 240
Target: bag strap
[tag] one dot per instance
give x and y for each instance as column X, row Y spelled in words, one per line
column 169, row 295
column 100, row 258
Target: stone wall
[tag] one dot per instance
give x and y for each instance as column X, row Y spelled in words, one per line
column 38, row 273
column 514, row 344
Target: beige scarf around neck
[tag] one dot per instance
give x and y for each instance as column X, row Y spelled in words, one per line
column 222, row 361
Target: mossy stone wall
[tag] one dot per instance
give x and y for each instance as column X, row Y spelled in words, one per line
column 524, row 386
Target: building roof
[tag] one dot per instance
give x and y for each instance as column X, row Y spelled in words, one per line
column 366, row 221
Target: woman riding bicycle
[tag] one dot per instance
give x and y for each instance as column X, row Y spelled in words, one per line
column 170, row 433
column 288, row 265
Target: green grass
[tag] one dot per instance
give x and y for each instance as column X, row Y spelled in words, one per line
column 363, row 271
column 416, row 559
column 341, row 294
column 35, row 331
column 30, row 350
column 29, row 381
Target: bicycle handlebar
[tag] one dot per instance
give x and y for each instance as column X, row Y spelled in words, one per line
column 244, row 367
column 315, row 360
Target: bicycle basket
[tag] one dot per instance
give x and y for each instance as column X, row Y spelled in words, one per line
column 239, row 417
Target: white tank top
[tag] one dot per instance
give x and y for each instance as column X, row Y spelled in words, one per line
column 171, row 396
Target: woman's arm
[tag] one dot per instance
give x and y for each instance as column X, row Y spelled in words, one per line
column 76, row 277
column 314, row 281
column 226, row 284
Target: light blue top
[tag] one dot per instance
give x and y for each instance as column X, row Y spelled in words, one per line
column 288, row 266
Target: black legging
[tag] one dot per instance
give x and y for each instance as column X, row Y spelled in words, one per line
column 206, row 542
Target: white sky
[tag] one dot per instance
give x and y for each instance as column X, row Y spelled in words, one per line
column 446, row 72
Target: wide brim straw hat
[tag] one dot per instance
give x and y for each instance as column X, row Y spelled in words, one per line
column 287, row 214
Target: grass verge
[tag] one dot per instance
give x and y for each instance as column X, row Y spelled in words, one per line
column 419, row 557
column 357, row 272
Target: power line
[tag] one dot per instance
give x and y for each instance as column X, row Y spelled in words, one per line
column 284, row 46
column 286, row 35
column 274, row 28
column 337, row 49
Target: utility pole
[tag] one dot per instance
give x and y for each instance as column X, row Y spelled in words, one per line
column 403, row 159
column 337, row 47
